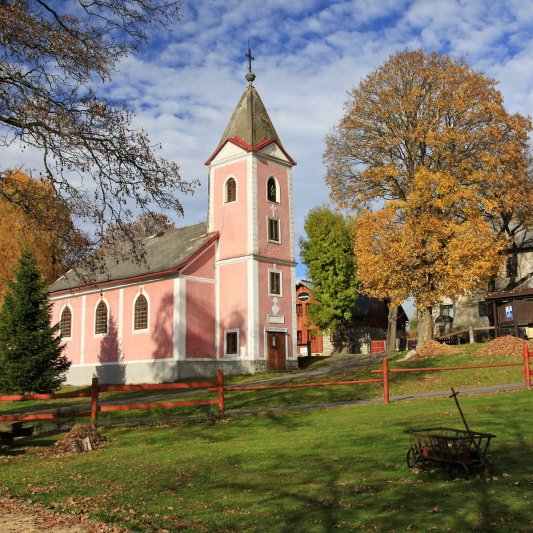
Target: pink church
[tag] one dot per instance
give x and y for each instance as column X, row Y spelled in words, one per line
column 213, row 295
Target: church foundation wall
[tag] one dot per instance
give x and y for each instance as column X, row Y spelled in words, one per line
column 163, row 371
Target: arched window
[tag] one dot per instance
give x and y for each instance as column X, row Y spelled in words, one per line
column 231, row 190
column 272, row 190
column 100, row 318
column 140, row 313
column 65, row 324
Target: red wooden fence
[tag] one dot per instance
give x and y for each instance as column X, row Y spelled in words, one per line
column 218, row 387
column 96, row 407
column 526, row 354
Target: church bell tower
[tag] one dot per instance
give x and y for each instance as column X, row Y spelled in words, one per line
column 251, row 207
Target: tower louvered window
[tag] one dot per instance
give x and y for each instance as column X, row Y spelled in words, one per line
column 273, row 230
column 140, row 320
column 272, row 193
column 231, row 190
column 100, row 318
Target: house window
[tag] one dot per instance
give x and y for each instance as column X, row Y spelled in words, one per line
column 100, row 318
column 299, row 310
column 274, row 285
column 299, row 337
column 483, row 308
column 140, row 313
column 273, row 230
column 231, row 190
column 446, row 310
column 65, row 324
column 232, row 342
column 272, row 190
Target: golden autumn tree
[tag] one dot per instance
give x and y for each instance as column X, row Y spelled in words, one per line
column 435, row 245
column 414, row 122
column 48, row 231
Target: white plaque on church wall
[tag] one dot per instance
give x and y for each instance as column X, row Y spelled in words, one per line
column 276, row 319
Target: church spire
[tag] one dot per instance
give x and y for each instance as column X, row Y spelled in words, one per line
column 250, row 126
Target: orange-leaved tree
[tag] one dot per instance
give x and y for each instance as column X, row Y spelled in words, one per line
column 429, row 117
column 434, row 246
column 47, row 230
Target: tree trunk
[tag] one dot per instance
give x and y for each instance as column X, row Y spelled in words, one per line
column 425, row 326
column 391, row 329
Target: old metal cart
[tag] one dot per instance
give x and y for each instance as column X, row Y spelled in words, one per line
column 460, row 450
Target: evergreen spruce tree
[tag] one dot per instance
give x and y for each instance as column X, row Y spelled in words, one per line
column 31, row 358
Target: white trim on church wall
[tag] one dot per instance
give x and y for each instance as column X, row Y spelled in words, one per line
column 217, row 303
column 182, row 317
column 294, row 340
column 251, row 171
column 291, row 214
column 273, row 151
column 107, row 288
column 82, row 328
column 198, row 279
column 120, row 324
column 176, row 324
column 252, row 304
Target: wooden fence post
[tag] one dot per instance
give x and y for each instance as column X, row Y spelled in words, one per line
column 386, row 380
column 94, row 401
column 527, row 367
column 220, row 383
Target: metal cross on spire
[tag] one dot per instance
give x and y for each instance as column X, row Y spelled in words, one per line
column 250, row 76
column 250, row 58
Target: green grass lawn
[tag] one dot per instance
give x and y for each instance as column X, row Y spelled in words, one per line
column 304, row 471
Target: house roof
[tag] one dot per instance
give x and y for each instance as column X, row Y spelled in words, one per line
column 514, row 293
column 164, row 253
column 250, row 126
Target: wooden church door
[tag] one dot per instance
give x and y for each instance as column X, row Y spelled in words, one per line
column 276, row 351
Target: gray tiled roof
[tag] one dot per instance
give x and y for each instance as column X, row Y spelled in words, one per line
column 163, row 252
column 250, row 121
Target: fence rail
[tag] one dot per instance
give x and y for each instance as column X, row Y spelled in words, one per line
column 386, row 371
column 218, row 386
column 96, row 406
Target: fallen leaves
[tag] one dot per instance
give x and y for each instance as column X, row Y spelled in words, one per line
column 507, row 345
column 434, row 348
column 16, row 516
column 70, row 442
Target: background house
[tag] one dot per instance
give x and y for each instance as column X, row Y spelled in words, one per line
column 503, row 308
column 368, row 325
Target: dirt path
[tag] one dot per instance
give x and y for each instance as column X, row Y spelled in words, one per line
column 17, row 517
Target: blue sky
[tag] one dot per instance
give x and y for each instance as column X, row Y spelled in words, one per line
column 185, row 84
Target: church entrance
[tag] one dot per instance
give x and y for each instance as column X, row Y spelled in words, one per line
column 276, row 351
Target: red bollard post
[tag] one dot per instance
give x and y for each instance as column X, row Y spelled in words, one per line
column 220, row 382
column 94, row 401
column 385, row 380
column 527, row 367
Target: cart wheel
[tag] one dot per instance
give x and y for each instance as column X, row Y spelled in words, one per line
column 414, row 458
column 458, row 470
